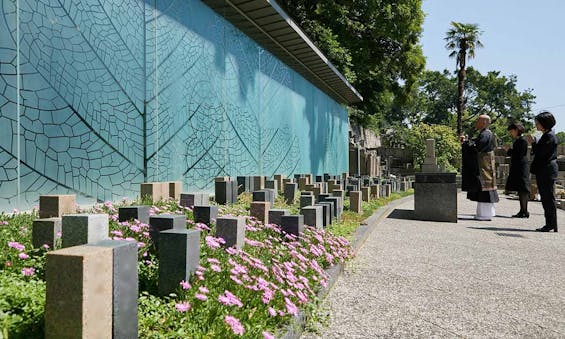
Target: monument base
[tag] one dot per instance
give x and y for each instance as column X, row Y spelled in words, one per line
column 435, row 197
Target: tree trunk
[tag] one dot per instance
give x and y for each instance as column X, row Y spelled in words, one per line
column 460, row 91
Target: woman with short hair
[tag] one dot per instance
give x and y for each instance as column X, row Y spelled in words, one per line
column 519, row 176
column 544, row 166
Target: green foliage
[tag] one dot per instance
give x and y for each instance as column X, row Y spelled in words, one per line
column 375, row 44
column 561, row 136
column 21, row 306
column 447, row 145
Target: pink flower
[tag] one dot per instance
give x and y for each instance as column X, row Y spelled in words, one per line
column 235, row 325
column 272, row 312
column 8, row 263
column 185, row 285
column 215, row 268
column 290, row 307
column 267, row 335
column 203, row 289
column 201, row 227
column 213, row 261
column 231, row 250
column 118, row 233
column 212, row 242
column 182, row 307
column 23, row 256
column 2, row 223
column 45, row 246
column 16, row 245
column 28, row 271
column 201, row 297
column 229, row 299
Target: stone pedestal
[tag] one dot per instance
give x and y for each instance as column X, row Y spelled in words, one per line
column 78, row 301
column 327, row 213
column 54, row 206
column 154, row 190
column 365, row 193
column 435, row 197
column 306, row 200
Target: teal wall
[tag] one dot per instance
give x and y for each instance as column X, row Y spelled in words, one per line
column 97, row 96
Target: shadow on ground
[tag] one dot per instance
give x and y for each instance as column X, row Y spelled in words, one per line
column 401, row 214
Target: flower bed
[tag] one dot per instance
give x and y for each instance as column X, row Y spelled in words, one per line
column 254, row 292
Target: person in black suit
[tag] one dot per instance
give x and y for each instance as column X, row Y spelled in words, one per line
column 544, row 166
column 519, row 177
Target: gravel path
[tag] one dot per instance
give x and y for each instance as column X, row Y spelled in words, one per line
column 472, row 279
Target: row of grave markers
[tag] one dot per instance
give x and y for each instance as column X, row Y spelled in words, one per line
column 97, row 295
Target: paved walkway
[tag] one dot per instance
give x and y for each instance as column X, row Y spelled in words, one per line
column 473, row 279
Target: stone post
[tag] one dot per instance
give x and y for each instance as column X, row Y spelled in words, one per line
column 80, row 229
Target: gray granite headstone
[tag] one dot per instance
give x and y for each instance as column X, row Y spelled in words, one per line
column 289, row 192
column 194, row 199
column 313, row 216
column 44, row 232
column 275, row 215
column 80, row 229
column 223, row 191
column 179, row 256
column 435, row 197
column 326, row 213
column 205, row 214
column 292, row 224
column 162, row 222
column 232, row 230
column 306, row 200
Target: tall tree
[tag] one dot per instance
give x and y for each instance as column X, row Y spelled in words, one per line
column 462, row 40
column 374, row 43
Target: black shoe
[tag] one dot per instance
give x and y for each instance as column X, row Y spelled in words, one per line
column 547, row 229
column 521, row 215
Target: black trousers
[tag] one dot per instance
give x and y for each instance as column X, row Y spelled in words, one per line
column 545, row 187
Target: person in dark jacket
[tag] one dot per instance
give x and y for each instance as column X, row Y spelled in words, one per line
column 544, row 166
column 519, row 177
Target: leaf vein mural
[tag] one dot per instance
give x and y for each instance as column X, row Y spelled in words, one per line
column 115, row 92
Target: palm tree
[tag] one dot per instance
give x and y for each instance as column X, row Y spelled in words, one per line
column 462, row 39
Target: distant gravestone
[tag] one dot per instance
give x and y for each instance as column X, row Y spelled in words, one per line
column 326, row 213
column 140, row 213
column 290, row 192
column 194, row 199
column 258, row 182
column 45, row 232
column 313, row 216
column 260, row 210
column 80, row 229
column 265, row 195
column 175, row 188
column 223, row 192
column 179, row 256
column 55, row 206
column 279, row 178
column 355, row 201
column 205, row 214
column 365, row 193
column 275, row 215
column 271, row 184
column 292, row 224
column 430, row 161
column 306, row 200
